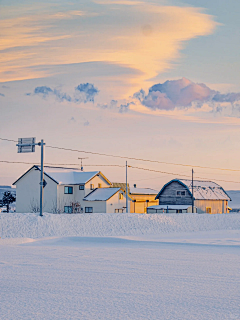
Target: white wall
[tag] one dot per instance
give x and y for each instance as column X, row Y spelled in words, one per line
column 95, row 181
column 28, row 193
column 115, row 203
column 108, row 206
column 98, row 206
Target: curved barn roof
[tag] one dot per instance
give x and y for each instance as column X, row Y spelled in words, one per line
column 202, row 190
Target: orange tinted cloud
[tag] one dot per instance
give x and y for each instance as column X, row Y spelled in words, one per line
column 145, row 37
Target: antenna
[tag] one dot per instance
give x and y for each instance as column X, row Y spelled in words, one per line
column 81, row 163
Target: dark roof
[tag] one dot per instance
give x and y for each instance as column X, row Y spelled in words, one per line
column 202, row 190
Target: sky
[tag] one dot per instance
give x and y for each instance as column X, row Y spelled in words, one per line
column 155, row 80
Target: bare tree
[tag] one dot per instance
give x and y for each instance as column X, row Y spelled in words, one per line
column 58, row 206
column 34, row 206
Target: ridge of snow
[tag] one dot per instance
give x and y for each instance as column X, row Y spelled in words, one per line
column 31, row 225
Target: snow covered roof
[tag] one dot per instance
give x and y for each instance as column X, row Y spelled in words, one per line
column 65, row 176
column 202, row 190
column 206, row 190
column 101, row 194
column 69, row 176
column 142, row 191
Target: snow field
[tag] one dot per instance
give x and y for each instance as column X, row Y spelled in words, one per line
column 30, row 225
column 119, row 266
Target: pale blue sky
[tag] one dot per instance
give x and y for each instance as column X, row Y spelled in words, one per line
column 120, row 48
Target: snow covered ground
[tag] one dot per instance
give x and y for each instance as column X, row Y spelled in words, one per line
column 119, row 266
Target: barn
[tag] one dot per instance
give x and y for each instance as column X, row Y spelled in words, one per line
column 204, row 196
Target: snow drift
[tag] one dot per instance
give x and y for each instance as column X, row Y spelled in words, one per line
column 30, row 225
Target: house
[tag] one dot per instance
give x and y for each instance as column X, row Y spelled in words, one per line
column 66, row 191
column 107, row 200
column 207, row 197
column 141, row 198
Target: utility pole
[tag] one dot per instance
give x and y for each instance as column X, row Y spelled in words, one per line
column 81, row 163
column 192, row 194
column 26, row 145
column 42, row 185
column 126, row 189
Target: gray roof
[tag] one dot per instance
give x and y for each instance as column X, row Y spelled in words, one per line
column 202, row 190
column 206, row 190
column 134, row 190
column 101, row 194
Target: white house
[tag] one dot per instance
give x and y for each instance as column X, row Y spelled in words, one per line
column 106, row 200
column 66, row 191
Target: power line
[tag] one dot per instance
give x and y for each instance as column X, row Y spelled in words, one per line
column 140, row 159
column 132, row 158
column 56, row 166
column 182, row 175
column 10, row 140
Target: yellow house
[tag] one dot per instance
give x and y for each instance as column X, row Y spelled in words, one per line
column 141, row 198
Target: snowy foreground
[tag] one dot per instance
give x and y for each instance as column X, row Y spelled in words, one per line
column 119, row 266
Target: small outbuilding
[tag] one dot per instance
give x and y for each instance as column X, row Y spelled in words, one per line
column 205, row 196
column 106, row 200
column 141, row 198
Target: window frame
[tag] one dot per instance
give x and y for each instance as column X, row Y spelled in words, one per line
column 68, row 211
column 81, row 187
column 68, row 187
column 99, row 185
column 91, row 186
column 182, row 193
column 120, row 196
column 87, row 210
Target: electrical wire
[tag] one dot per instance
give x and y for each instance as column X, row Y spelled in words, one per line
column 132, row 158
column 57, row 166
column 181, row 175
column 140, row 159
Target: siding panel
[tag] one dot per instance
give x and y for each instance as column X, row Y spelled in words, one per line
column 169, row 195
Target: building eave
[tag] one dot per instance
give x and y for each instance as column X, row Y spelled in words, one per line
column 36, row 168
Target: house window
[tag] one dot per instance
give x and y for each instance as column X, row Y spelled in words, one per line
column 88, row 209
column 179, row 211
column 68, row 209
column 99, row 185
column 68, row 190
column 181, row 193
column 120, row 196
column 91, row 186
column 209, row 210
column 81, row 187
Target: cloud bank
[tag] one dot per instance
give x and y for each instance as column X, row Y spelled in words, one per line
column 132, row 36
column 181, row 94
column 84, row 92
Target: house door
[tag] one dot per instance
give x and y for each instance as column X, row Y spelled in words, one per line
column 209, row 210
